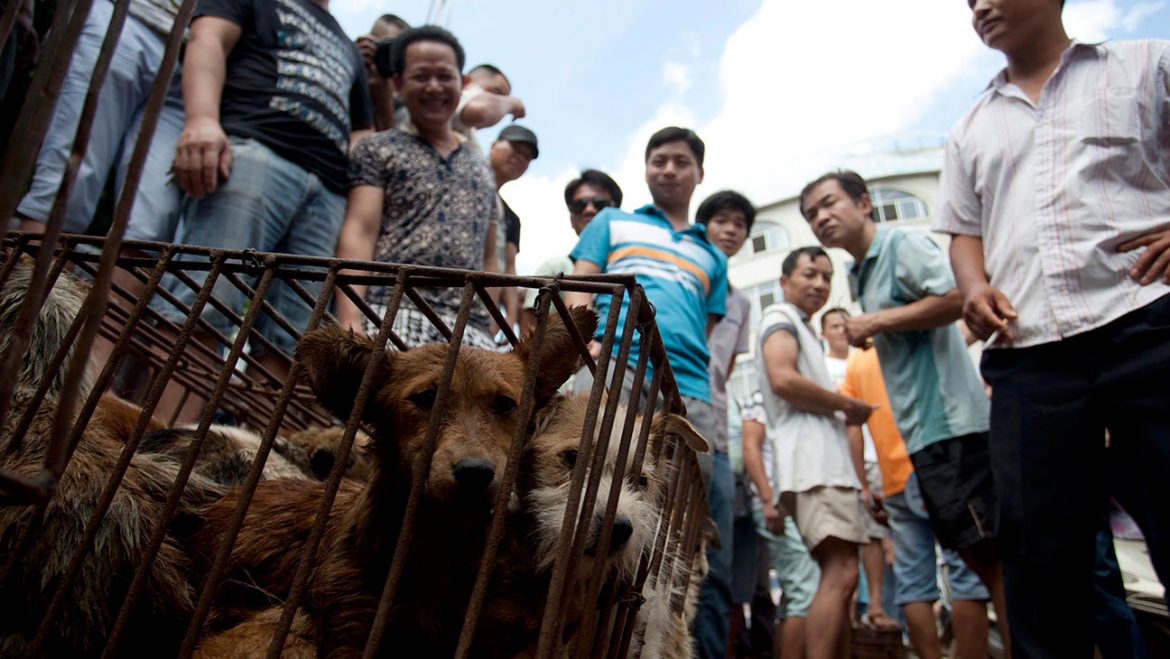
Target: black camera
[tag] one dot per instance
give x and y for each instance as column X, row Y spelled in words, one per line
column 384, row 57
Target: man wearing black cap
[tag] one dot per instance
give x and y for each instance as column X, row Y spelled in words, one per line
column 509, row 156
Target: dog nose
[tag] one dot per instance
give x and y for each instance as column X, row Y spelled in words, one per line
column 622, row 530
column 474, row 473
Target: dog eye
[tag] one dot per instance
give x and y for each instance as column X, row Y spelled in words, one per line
column 424, row 399
column 643, row 482
column 503, row 405
column 570, row 457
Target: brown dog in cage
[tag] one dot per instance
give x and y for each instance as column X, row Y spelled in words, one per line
column 516, row 597
column 470, row 454
column 35, row 570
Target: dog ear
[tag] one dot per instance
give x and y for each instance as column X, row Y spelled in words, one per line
column 674, row 424
column 335, row 361
column 558, row 354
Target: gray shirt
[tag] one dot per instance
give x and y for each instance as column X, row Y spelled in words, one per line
column 728, row 338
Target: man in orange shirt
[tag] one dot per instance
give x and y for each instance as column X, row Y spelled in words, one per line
column 916, row 586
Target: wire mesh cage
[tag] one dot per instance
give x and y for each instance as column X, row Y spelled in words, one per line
column 185, row 471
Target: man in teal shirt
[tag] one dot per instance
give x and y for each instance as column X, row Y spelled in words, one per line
column 905, row 285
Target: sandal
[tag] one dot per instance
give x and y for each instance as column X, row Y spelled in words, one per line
column 881, row 622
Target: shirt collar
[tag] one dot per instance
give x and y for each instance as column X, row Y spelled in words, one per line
column 1076, row 45
column 407, row 126
column 880, row 235
column 699, row 230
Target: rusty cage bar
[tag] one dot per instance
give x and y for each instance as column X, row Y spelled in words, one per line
column 102, row 500
column 148, row 352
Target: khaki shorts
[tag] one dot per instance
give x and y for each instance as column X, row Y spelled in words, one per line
column 829, row 511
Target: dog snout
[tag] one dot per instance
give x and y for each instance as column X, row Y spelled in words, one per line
column 623, row 528
column 474, row 473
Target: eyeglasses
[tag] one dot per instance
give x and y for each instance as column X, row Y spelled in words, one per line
column 599, row 202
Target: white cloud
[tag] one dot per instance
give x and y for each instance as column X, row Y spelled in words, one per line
column 1092, row 20
column 676, row 76
column 544, row 230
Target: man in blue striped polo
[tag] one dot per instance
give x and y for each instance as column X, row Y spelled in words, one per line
column 685, row 278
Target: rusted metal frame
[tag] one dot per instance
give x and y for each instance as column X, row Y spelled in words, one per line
column 248, row 489
column 690, row 544
column 419, row 472
column 159, row 533
column 582, row 342
column 8, row 21
column 494, row 310
column 16, row 554
column 101, row 67
column 550, row 625
column 203, row 356
column 115, row 480
column 605, row 534
column 581, row 504
column 627, row 610
column 500, row 510
column 35, row 113
column 369, row 313
column 430, row 314
column 14, row 171
column 665, row 541
column 16, row 245
column 313, row 542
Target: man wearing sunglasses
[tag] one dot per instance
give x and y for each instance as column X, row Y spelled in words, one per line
column 585, row 196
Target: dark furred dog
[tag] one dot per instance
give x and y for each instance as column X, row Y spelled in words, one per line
column 470, row 455
column 85, row 620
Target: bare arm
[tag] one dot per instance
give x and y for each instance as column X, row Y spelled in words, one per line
column 359, row 234
column 712, row 321
column 203, row 156
column 923, row 314
column 857, row 453
column 488, row 109
column 780, row 353
column 381, row 89
column 753, row 459
column 985, row 309
column 357, row 136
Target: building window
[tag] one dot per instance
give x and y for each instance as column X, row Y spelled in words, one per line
column 891, row 205
column 767, row 237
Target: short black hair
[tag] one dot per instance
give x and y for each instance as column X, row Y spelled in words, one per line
column 824, row 316
column 675, row 134
column 723, row 200
column 425, row 33
column 812, row 252
column 492, row 69
column 850, row 181
column 392, row 19
column 595, row 178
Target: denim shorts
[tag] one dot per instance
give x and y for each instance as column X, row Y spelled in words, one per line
column 116, row 124
column 795, row 567
column 271, row 205
column 915, row 561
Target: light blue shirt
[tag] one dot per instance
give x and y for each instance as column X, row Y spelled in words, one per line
column 935, row 393
column 684, row 275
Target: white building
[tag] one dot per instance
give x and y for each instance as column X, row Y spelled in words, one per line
column 902, row 174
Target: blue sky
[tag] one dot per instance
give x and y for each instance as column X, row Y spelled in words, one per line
column 779, row 90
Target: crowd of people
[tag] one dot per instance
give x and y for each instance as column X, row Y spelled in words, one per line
column 885, row 456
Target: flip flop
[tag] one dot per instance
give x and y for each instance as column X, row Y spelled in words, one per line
column 881, row 622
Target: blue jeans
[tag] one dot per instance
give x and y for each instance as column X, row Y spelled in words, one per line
column 272, row 205
column 116, row 124
column 915, row 567
column 713, row 619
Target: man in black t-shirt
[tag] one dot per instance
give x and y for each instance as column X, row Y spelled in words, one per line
column 274, row 96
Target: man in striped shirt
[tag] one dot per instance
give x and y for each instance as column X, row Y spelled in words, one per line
column 685, row 277
column 1054, row 188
